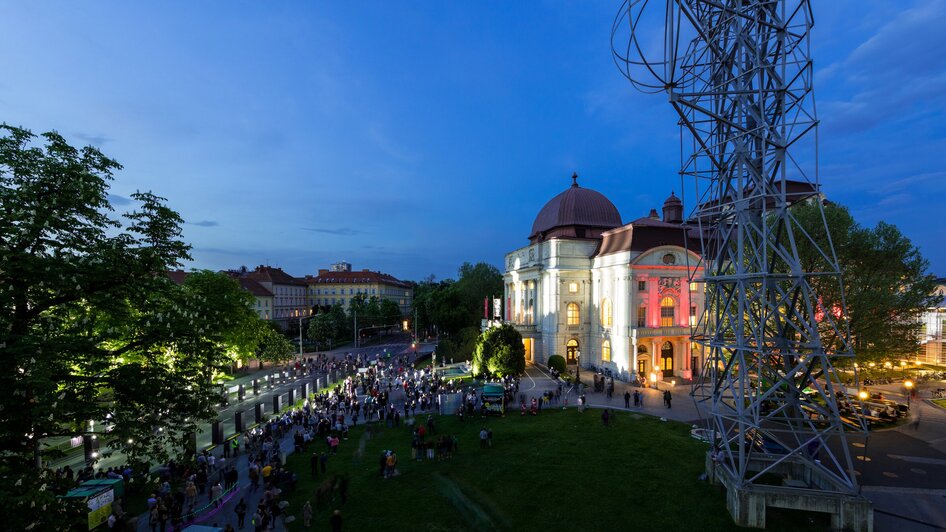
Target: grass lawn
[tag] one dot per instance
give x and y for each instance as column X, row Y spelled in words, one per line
column 940, row 402
column 559, row 471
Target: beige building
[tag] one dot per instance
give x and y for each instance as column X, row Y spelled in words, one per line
column 338, row 285
column 606, row 294
column 288, row 301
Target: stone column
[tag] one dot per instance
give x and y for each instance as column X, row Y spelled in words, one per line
column 277, row 403
column 258, row 411
column 632, row 359
column 238, row 422
column 292, row 398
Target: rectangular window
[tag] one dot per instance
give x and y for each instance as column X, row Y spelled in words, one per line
column 572, row 288
column 693, row 313
column 666, row 316
column 693, row 287
column 641, row 286
column 641, row 316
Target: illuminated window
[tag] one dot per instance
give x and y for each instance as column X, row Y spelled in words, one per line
column 693, row 313
column 606, row 351
column 572, row 314
column 642, row 316
column 641, row 286
column 666, row 312
column 572, row 288
column 606, row 320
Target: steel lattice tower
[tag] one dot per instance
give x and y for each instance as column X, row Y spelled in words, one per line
column 739, row 75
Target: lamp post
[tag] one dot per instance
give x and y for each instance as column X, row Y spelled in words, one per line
column 578, row 371
column 909, row 386
column 653, row 379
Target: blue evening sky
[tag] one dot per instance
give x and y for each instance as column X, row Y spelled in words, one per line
column 413, row 136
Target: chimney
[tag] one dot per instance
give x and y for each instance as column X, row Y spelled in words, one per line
column 653, row 214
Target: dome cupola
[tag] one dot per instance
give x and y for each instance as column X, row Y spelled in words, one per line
column 577, row 212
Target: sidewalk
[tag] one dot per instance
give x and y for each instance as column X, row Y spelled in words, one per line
column 683, row 408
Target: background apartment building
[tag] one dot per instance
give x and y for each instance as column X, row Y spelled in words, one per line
column 339, row 284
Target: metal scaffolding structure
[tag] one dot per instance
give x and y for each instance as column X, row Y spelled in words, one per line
column 739, row 75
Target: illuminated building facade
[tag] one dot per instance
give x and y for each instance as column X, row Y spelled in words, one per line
column 932, row 329
column 606, row 294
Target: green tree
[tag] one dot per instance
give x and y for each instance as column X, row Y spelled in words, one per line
column 271, row 344
column 453, row 305
column 887, row 285
column 91, row 327
column 499, row 351
column 322, row 328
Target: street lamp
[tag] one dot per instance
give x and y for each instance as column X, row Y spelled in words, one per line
column 578, row 371
column 653, row 379
column 909, row 385
column 863, row 395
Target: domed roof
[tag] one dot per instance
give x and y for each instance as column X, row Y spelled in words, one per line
column 672, row 200
column 577, row 206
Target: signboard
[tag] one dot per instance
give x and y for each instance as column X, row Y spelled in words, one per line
column 100, row 507
column 497, row 308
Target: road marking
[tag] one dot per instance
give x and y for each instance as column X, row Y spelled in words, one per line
column 918, row 459
column 904, row 491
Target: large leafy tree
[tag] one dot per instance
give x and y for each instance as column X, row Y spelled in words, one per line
column 886, row 280
column 91, row 327
column 499, row 351
column 454, row 305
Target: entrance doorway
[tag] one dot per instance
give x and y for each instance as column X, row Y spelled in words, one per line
column 642, row 362
column 666, row 359
column 571, row 351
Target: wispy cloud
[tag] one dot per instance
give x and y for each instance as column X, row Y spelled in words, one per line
column 115, row 199
column 895, row 71
column 339, row 231
column 95, row 140
column 205, row 223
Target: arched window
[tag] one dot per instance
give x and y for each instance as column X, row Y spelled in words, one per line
column 606, row 319
column 642, row 316
column 666, row 312
column 606, row 351
column 572, row 314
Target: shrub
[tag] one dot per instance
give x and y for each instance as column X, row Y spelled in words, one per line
column 557, row 362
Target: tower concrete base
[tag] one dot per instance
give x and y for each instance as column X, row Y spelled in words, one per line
column 747, row 504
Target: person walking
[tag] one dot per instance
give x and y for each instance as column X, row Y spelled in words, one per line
column 241, row 513
column 605, row 417
column 483, row 436
column 307, row 514
column 627, row 400
column 215, row 493
column 667, row 398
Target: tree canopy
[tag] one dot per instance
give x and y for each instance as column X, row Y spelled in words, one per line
column 499, row 351
column 449, row 306
column 886, row 281
column 92, row 329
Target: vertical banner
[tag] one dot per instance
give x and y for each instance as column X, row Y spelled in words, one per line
column 497, row 308
column 486, row 308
